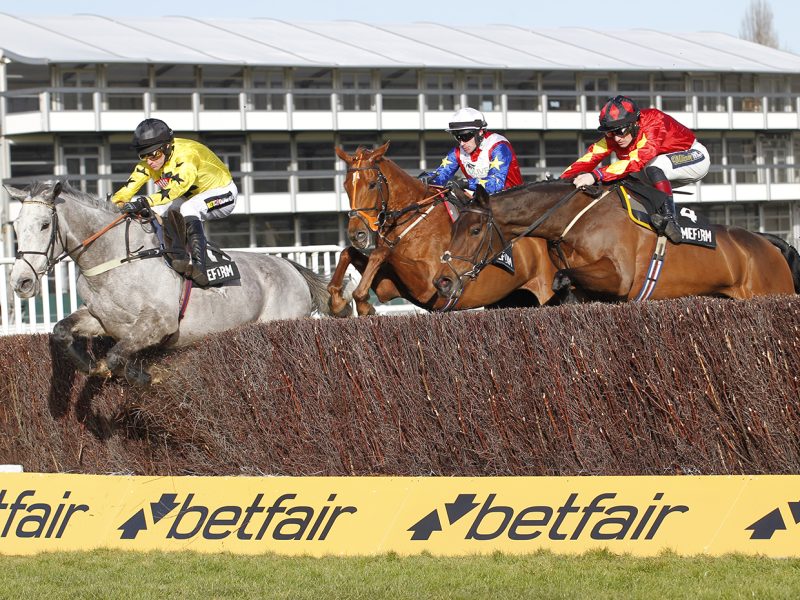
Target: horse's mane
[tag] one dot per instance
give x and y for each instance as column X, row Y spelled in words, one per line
column 38, row 188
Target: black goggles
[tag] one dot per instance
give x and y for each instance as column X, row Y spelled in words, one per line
column 620, row 131
column 154, row 155
column 464, row 136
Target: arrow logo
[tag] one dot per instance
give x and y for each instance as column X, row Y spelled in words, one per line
column 138, row 522
column 765, row 527
column 423, row 528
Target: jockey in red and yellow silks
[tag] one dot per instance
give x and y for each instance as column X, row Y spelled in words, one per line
column 650, row 142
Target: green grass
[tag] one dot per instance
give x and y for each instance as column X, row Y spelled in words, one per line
column 111, row 574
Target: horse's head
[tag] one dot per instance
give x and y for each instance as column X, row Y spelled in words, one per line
column 39, row 241
column 368, row 191
column 475, row 242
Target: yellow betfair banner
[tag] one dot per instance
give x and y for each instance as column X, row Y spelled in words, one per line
column 407, row 515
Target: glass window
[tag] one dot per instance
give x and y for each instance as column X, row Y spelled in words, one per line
column 274, row 230
column 778, row 219
column 744, row 215
column 560, row 153
column 133, row 81
column 399, row 89
column 81, row 159
column 709, row 98
column 312, row 89
column 82, row 99
column 231, row 232
column 741, row 157
column 405, row 153
column 596, row 88
column 20, row 77
column 319, row 229
column 272, row 161
column 268, row 79
column 443, row 82
column 521, row 88
column 715, row 152
column 229, row 150
column 315, row 165
column 436, row 148
column 353, row 82
column 226, row 83
column 636, row 86
column 181, row 77
column 672, row 89
column 561, row 89
column 482, row 91
column 528, row 156
column 29, row 161
column 123, row 160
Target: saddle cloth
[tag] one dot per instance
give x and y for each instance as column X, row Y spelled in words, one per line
column 641, row 201
column 220, row 267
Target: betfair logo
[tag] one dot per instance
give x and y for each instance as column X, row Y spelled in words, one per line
column 599, row 519
column 29, row 517
column 280, row 520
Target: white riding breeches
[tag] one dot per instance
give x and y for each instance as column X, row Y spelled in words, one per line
column 206, row 206
column 683, row 167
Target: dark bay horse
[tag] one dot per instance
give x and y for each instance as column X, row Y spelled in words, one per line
column 138, row 302
column 602, row 252
column 409, row 227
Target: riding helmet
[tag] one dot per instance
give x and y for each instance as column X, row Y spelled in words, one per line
column 150, row 135
column 466, row 119
column 619, row 112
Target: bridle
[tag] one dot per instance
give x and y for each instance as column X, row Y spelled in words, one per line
column 385, row 220
column 50, row 250
column 55, row 234
column 483, row 254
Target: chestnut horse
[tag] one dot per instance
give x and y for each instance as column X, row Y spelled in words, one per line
column 408, row 225
column 605, row 254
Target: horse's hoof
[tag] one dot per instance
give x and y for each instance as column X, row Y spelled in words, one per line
column 100, row 370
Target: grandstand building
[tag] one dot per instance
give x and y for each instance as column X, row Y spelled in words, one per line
column 273, row 99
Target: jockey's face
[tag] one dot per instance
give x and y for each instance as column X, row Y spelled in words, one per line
column 155, row 160
column 467, row 140
column 623, row 140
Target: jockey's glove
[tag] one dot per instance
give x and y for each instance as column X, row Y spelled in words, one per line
column 458, row 183
column 138, row 206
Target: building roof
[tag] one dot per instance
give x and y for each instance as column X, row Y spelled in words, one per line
column 352, row 44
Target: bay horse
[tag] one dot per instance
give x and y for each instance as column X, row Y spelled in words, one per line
column 604, row 253
column 405, row 227
column 138, row 302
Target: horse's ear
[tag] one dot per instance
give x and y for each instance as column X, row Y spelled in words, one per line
column 481, row 196
column 379, row 152
column 57, row 187
column 344, row 155
column 15, row 193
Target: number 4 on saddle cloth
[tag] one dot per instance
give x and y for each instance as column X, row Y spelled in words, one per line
column 641, row 201
column 220, row 268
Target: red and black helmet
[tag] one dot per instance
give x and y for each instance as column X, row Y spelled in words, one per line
column 618, row 113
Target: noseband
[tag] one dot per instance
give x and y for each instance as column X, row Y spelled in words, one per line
column 381, row 205
column 50, row 251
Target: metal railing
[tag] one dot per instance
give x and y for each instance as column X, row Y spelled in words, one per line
column 59, row 291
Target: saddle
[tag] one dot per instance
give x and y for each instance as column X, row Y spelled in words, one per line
column 220, row 267
column 641, row 201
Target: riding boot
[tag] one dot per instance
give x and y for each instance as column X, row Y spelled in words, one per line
column 175, row 242
column 197, row 246
column 666, row 223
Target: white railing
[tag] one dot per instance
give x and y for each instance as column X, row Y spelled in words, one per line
column 59, row 296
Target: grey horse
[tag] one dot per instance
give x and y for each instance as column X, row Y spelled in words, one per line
column 137, row 302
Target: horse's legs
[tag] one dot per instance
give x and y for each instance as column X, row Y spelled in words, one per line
column 337, row 302
column 119, row 358
column 81, row 323
column 361, row 293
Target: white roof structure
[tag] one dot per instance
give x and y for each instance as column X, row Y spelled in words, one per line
column 352, row 44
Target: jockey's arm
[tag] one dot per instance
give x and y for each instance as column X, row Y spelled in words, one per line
column 138, row 178
column 500, row 158
column 446, row 170
column 587, row 163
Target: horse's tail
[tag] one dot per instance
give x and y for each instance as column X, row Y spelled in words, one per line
column 790, row 254
column 318, row 286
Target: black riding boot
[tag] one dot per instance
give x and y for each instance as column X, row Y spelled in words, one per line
column 197, row 246
column 666, row 223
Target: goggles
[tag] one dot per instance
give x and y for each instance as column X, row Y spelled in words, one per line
column 154, row 155
column 464, row 136
column 620, row 132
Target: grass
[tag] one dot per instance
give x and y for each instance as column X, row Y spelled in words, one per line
column 113, row 574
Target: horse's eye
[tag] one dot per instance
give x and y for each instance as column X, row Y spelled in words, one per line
column 45, row 226
column 373, row 185
column 474, row 230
